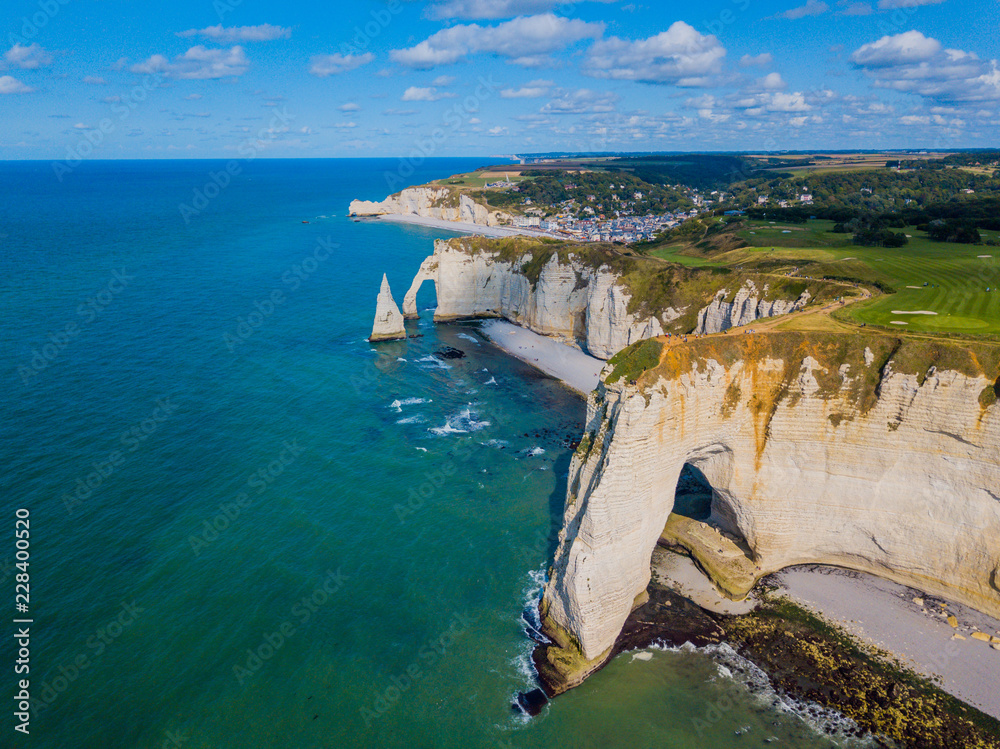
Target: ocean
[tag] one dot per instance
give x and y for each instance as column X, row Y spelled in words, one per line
column 251, row 528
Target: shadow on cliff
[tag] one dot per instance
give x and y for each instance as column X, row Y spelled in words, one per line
column 557, row 504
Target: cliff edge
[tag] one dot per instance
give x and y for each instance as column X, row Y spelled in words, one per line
column 595, row 296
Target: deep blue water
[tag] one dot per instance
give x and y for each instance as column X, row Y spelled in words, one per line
column 237, row 539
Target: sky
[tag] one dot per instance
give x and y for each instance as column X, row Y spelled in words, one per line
column 231, row 78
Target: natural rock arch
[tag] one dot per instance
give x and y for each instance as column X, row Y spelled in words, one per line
column 427, row 272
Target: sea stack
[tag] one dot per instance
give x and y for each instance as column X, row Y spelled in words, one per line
column 388, row 319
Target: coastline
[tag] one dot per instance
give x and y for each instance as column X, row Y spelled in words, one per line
column 461, row 227
column 904, row 624
column 580, row 372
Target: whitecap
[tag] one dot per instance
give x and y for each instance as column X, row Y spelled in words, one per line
column 533, row 452
column 468, row 337
column 397, row 405
column 732, row 666
column 461, row 423
column 491, row 381
column 433, row 360
column 418, row 419
column 495, row 443
column 422, row 449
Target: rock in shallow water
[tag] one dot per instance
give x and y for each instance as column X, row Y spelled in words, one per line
column 447, row 352
column 530, row 702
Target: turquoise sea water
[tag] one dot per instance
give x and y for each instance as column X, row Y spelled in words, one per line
column 249, row 527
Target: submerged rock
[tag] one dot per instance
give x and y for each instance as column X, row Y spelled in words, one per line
column 388, row 319
column 447, row 352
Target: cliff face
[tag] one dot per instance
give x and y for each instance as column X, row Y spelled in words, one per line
column 432, row 202
column 748, row 306
column 580, row 294
column 874, row 453
column 571, row 300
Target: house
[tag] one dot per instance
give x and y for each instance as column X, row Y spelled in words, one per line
column 762, row 200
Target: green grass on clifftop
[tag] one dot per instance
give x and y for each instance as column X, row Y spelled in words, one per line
column 950, row 280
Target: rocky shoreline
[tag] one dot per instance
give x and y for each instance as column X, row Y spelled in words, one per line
column 806, row 659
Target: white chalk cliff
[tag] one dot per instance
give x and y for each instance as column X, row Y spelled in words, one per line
column 432, row 202
column 571, row 301
column 835, row 458
column 748, row 306
column 389, row 324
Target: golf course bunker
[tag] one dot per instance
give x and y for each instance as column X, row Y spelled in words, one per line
column 914, row 312
column 898, row 322
column 984, row 256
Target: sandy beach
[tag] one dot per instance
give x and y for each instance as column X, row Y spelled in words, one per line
column 908, row 624
column 462, row 227
column 575, row 368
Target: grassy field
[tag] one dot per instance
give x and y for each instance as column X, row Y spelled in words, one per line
column 479, row 180
column 950, row 280
column 673, row 254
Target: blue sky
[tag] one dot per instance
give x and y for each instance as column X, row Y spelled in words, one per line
column 217, row 78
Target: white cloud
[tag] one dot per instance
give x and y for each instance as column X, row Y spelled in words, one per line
column 198, row 63
column 581, row 101
column 889, row 51
column 780, row 102
column 913, row 63
column 349, row 107
column 681, row 55
column 443, row 80
column 494, row 9
column 811, row 8
column 772, row 81
column 265, row 32
column 193, row 97
column 525, row 40
column 533, row 90
column 893, row 4
column 760, row 61
column 855, row 8
column 94, row 80
column 497, row 131
column 415, row 93
column 322, row 66
column 31, row 57
column 10, row 85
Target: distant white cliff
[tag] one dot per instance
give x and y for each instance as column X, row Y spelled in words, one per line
column 432, row 202
column 570, row 301
column 573, row 298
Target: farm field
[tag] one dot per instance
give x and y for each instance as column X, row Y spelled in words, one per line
column 956, row 283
